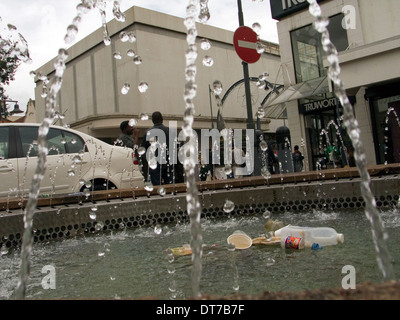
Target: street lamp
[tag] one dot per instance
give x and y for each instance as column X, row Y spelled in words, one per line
column 4, row 113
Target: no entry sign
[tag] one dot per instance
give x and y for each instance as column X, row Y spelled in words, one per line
column 245, row 40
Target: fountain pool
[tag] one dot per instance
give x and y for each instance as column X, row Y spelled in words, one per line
column 133, row 263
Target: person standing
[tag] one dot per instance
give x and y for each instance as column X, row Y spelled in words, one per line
column 297, row 160
column 161, row 173
column 126, row 136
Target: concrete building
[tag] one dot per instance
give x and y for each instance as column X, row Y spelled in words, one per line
column 366, row 34
column 91, row 97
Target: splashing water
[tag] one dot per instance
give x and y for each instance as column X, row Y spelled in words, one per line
column 189, row 163
column 51, row 101
column 379, row 234
column 26, row 248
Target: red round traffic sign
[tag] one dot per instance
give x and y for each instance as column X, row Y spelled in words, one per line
column 245, row 40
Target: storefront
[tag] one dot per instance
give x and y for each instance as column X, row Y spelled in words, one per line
column 384, row 102
column 368, row 55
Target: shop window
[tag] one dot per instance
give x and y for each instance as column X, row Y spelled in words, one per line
column 307, row 49
column 387, row 129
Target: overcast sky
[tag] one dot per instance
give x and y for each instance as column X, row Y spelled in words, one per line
column 43, row 23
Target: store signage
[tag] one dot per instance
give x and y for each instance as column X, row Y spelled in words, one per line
column 284, row 8
column 318, row 106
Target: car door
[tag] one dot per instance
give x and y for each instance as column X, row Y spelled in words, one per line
column 8, row 163
column 66, row 160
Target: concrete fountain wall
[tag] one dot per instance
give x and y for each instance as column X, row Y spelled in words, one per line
column 67, row 216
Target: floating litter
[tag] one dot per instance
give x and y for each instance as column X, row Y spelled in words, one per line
column 240, row 239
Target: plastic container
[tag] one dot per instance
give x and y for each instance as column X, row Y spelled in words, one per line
column 240, row 239
column 294, row 237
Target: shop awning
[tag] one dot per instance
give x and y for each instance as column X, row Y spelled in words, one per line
column 302, row 90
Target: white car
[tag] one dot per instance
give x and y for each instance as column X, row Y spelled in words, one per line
column 75, row 162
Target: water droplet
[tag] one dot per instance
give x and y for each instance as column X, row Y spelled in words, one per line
column 267, row 214
column 228, row 169
column 148, row 186
column 256, row 27
column 228, row 206
column 161, row 191
column 270, row 262
column 205, row 44
column 172, row 286
column 171, row 269
column 132, row 37
column 132, row 122
column 157, row 229
column 264, row 145
column 141, row 151
column 71, row 173
column 265, row 172
column 117, row 55
column 130, row 53
column 77, row 159
column 143, row 116
column 137, row 60
column 260, row 47
column 263, row 76
column 217, row 87
column 99, row 226
column 261, row 112
column 125, row 89
column 231, row 247
column 3, row 251
column 208, row 61
column 86, row 193
column 72, row 31
column 124, row 36
column 143, row 87
column 107, row 41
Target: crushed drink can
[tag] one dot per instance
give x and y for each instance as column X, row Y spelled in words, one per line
column 292, row 243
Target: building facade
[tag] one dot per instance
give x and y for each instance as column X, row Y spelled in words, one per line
column 92, row 98
column 366, row 35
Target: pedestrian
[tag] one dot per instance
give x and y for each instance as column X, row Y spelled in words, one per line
column 272, row 158
column 159, row 133
column 127, row 135
column 297, row 159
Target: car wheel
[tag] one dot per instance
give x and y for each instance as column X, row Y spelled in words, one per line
column 100, row 184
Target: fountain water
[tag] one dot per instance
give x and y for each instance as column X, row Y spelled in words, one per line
column 378, row 231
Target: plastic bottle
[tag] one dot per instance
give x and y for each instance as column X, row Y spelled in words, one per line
column 294, row 237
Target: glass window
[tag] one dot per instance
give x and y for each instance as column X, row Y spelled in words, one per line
column 55, row 142
column 4, row 133
column 29, row 137
column 387, row 113
column 74, row 143
column 307, row 49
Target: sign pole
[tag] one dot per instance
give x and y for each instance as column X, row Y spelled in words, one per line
column 250, row 122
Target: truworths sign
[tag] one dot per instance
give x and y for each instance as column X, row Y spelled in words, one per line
column 284, row 8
